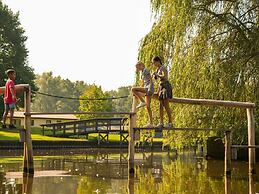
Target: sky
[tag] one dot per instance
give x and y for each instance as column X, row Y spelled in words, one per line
column 95, row 41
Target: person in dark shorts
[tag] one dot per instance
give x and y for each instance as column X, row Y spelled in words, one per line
column 164, row 91
column 9, row 98
column 147, row 90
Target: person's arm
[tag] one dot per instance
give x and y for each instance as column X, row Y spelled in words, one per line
column 12, row 92
column 142, row 83
column 162, row 74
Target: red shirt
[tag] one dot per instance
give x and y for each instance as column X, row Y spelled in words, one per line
column 8, row 98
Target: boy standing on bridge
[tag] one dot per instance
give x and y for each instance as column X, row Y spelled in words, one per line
column 9, row 98
column 146, row 90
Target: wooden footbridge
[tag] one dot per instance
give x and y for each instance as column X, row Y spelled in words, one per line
column 101, row 126
column 133, row 128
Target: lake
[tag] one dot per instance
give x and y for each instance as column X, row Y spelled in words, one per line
column 106, row 171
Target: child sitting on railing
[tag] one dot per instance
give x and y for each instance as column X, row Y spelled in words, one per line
column 146, row 90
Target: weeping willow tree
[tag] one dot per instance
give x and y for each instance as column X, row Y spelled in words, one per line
column 212, row 50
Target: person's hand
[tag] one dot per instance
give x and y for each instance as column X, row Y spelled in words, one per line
column 14, row 98
column 154, row 75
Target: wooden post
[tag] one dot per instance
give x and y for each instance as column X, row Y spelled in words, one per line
column 131, row 184
column 43, row 132
column 252, row 186
column 251, row 139
column 132, row 124
column 227, row 185
column 27, row 184
column 54, row 130
column 227, row 153
column 28, row 151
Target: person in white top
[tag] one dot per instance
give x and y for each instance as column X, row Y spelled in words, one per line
column 146, row 89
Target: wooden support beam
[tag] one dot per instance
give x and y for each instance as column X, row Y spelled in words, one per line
column 251, row 140
column 28, row 151
column 131, row 147
column 227, row 153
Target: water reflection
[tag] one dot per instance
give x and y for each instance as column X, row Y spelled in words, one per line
column 27, row 184
column 104, row 172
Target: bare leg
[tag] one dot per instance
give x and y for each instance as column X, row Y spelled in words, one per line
column 161, row 112
column 11, row 116
column 148, row 101
column 168, row 110
column 5, row 114
column 137, row 91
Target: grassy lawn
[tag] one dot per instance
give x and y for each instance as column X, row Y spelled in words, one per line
column 37, row 135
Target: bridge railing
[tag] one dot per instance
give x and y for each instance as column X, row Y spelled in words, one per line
column 248, row 106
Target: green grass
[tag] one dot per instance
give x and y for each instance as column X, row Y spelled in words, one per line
column 37, row 135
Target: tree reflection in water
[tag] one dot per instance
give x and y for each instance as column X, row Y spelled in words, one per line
column 156, row 173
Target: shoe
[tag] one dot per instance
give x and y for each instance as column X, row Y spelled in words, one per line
column 160, row 125
column 142, row 104
column 4, row 126
column 12, row 127
column 149, row 125
column 169, row 125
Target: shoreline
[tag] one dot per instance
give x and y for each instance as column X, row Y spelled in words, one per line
column 38, row 144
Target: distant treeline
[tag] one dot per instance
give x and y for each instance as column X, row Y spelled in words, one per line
column 49, row 84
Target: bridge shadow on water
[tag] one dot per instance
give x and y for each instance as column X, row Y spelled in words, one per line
column 99, row 171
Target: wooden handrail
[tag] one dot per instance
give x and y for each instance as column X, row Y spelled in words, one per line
column 245, row 146
column 80, row 113
column 181, row 129
column 19, row 88
column 208, row 102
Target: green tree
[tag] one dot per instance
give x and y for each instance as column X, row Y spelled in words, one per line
column 212, row 51
column 49, row 84
column 13, row 52
column 122, row 104
column 94, row 92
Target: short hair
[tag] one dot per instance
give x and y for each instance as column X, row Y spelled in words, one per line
column 9, row 71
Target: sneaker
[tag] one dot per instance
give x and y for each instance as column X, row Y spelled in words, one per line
column 149, row 125
column 12, row 127
column 142, row 104
column 169, row 125
column 4, row 126
column 160, row 125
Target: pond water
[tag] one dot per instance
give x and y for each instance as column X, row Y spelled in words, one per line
column 85, row 172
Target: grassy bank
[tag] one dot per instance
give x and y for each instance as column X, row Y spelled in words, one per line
column 7, row 134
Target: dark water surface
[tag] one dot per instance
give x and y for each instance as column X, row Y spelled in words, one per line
column 107, row 172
